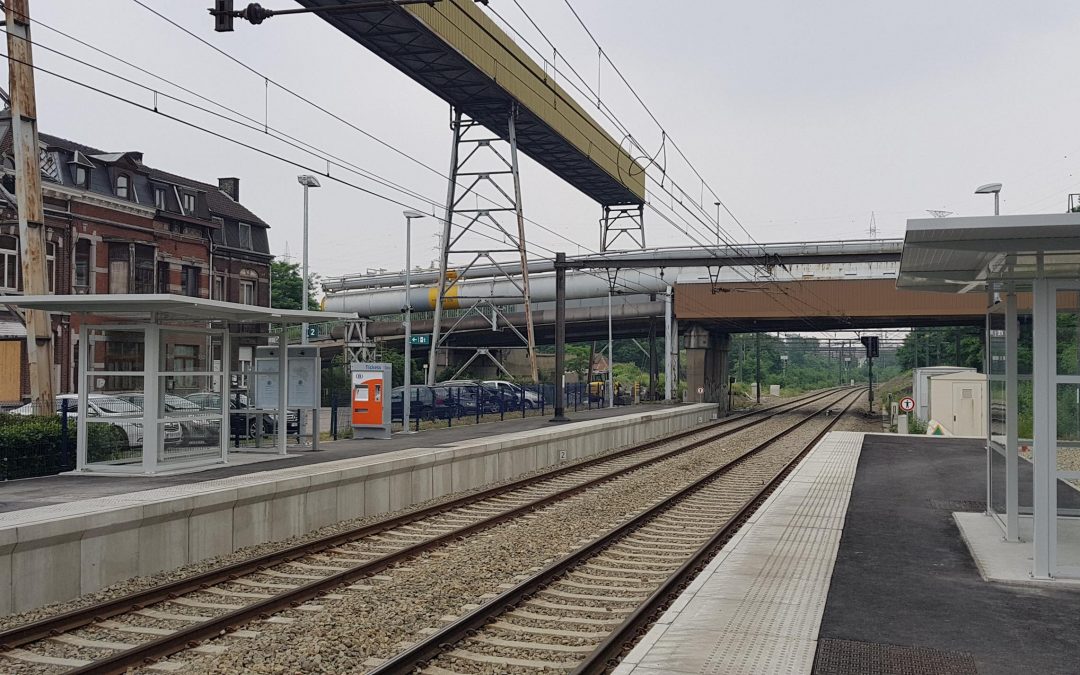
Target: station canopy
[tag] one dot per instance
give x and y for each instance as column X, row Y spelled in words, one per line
column 962, row 255
column 166, row 307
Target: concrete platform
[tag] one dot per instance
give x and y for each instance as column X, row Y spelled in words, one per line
column 1010, row 562
column 33, row 492
column 846, row 572
column 906, row 595
column 757, row 606
column 57, row 552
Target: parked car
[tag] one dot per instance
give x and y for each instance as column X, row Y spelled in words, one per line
column 516, row 392
column 465, row 401
column 243, row 421
column 101, row 407
column 493, row 400
column 191, row 430
column 425, row 402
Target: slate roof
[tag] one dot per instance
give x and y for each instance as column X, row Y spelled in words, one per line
column 218, row 202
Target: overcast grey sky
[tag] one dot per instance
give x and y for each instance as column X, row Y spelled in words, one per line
column 804, row 116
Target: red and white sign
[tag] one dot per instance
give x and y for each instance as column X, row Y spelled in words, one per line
column 907, row 404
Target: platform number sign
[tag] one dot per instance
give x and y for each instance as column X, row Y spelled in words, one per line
column 907, row 404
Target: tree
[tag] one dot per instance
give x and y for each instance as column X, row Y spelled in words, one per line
column 949, row 346
column 287, row 286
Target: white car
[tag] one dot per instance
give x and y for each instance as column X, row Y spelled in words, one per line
column 102, row 407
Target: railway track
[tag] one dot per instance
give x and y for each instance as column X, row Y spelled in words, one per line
column 581, row 612
column 140, row 629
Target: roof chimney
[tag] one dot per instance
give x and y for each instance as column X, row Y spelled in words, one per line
column 231, row 187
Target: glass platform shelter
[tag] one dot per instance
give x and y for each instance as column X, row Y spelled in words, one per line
column 1028, row 267
column 162, row 388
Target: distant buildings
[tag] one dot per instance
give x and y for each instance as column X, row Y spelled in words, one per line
column 116, row 225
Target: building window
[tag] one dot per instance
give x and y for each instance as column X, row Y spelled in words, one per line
column 189, row 280
column 119, row 268
column 124, row 357
column 159, row 198
column 80, row 175
column 123, row 186
column 185, row 358
column 163, row 277
column 81, row 281
column 245, row 235
column 189, row 203
column 50, row 265
column 247, row 291
column 132, row 268
column 219, row 288
column 9, row 263
column 145, row 260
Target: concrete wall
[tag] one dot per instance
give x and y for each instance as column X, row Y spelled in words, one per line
column 59, row 552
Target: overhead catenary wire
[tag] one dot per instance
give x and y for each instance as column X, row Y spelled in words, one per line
column 255, row 125
column 625, row 130
column 368, row 175
column 319, row 107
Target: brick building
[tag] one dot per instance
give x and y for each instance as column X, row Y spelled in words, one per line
column 116, row 225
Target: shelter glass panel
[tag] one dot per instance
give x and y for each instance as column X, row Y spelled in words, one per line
column 115, row 431
column 1068, row 333
column 191, row 407
column 1066, row 403
column 190, row 426
column 998, row 407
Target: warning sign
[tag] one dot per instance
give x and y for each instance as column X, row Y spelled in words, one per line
column 907, row 404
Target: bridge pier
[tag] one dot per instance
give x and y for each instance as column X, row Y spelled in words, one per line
column 707, row 366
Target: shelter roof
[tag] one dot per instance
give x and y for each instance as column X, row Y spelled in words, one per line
column 960, row 255
column 171, row 307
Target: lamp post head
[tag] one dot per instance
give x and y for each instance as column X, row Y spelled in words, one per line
column 308, row 181
column 410, row 214
column 992, row 189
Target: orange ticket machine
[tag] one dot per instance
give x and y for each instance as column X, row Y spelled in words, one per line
column 370, row 407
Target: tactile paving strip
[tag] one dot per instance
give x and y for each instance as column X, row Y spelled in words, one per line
column 848, row 657
column 757, row 607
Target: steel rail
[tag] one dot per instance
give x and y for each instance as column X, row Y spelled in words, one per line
column 604, row 656
column 421, row 653
column 77, row 618
column 184, row 637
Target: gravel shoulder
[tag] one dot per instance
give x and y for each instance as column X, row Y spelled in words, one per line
column 410, row 600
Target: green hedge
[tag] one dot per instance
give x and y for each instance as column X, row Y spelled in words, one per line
column 33, row 445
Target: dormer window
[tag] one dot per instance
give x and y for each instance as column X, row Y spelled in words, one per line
column 81, row 176
column 80, row 170
column 123, row 186
column 245, row 235
column 159, row 198
column 189, row 203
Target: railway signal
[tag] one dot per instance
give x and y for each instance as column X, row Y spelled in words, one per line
column 871, row 342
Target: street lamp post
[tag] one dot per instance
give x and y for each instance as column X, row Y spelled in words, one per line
column 406, row 407
column 717, row 205
column 308, row 182
column 994, row 189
